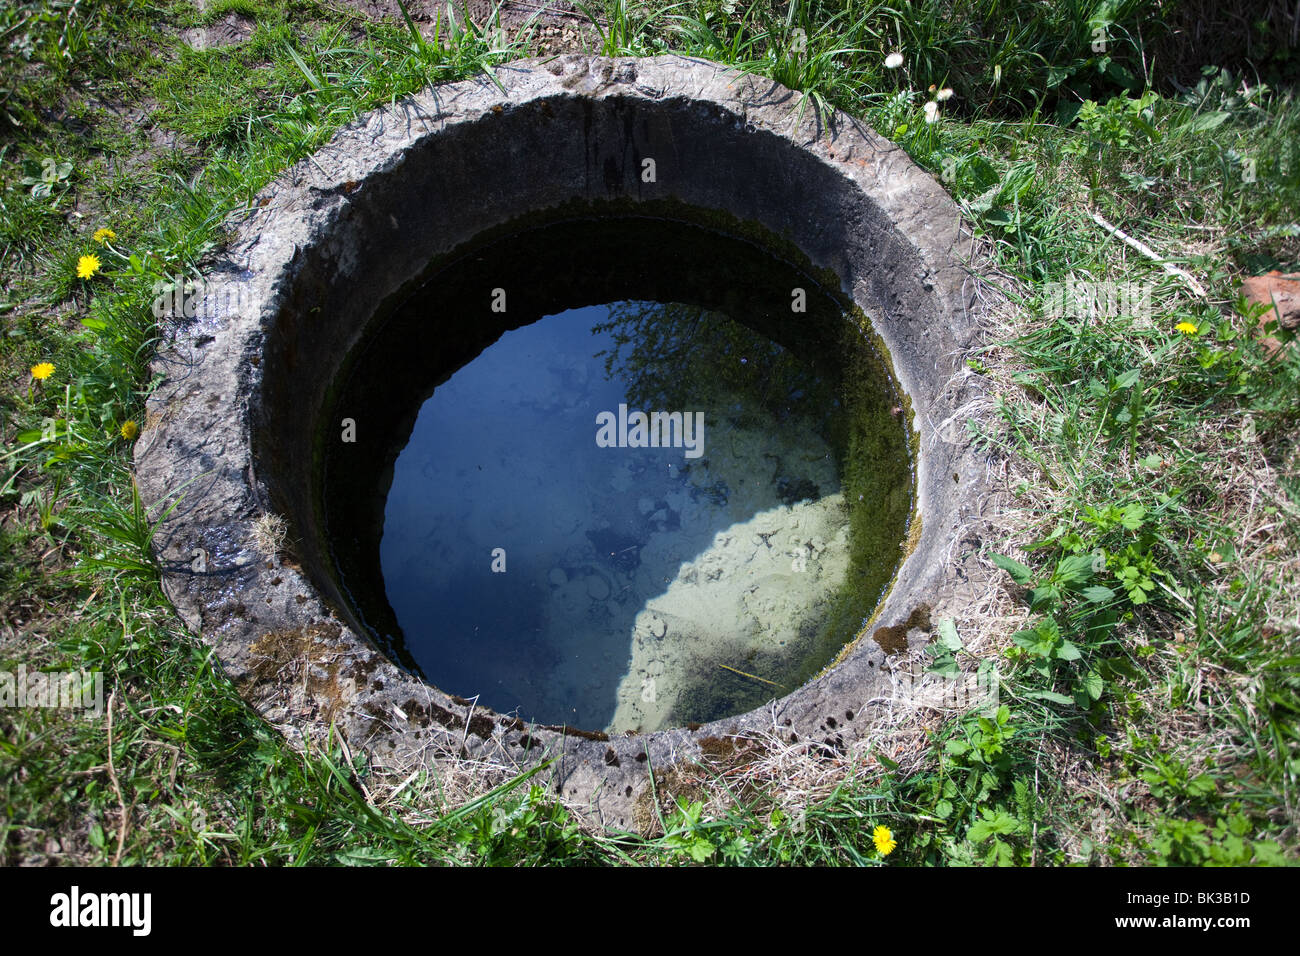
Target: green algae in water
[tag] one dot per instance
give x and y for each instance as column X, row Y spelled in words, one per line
column 643, row 588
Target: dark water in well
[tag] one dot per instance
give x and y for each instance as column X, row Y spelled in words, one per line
column 517, row 552
column 504, row 525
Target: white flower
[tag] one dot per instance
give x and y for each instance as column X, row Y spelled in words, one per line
column 893, row 61
column 931, row 111
column 944, row 94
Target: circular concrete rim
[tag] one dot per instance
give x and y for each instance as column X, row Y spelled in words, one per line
column 347, row 230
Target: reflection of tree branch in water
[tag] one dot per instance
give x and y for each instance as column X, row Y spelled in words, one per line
column 655, row 332
column 678, row 357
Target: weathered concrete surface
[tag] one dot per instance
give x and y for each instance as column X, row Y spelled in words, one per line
column 350, row 229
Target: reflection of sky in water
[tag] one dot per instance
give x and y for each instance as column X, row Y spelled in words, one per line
column 503, row 455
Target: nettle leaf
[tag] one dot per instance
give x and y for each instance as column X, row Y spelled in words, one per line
column 1067, row 652
column 1075, row 569
column 1097, row 594
column 1019, row 573
column 1092, row 685
column 1048, row 593
column 1025, row 639
column 1041, row 640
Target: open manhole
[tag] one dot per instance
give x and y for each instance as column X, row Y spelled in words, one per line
column 610, row 407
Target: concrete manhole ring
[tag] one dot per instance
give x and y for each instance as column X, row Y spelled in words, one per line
column 231, row 425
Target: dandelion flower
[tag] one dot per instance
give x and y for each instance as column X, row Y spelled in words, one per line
column 893, row 61
column 129, row 430
column 944, row 94
column 931, row 111
column 87, row 266
column 42, row 371
column 883, row 839
column 104, row 233
column 1186, row 328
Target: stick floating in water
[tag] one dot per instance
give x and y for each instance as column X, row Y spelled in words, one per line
column 746, row 674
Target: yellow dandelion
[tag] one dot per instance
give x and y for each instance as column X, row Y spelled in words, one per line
column 884, row 840
column 1186, row 328
column 104, row 233
column 87, row 266
column 42, row 371
column 129, row 430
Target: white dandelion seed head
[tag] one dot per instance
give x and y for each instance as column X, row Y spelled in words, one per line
column 944, row 94
column 893, row 61
column 931, row 111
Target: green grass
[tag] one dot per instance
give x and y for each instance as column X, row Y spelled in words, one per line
column 1147, row 637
